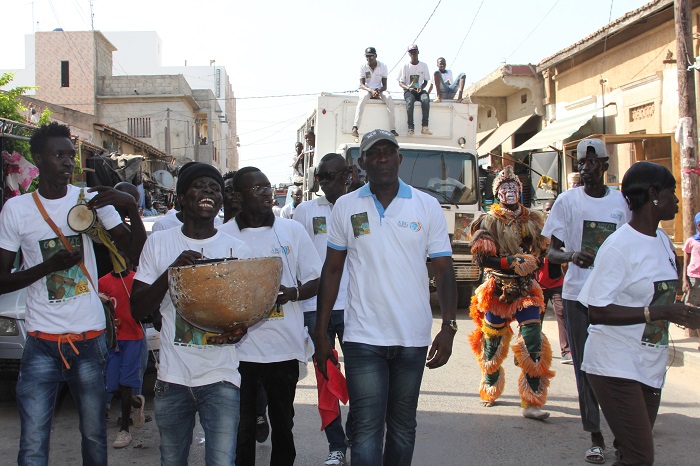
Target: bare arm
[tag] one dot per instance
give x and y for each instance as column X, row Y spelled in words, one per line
column 328, row 292
column 686, row 282
column 127, row 239
column 614, row 314
column 441, row 348
column 557, row 256
column 146, row 299
column 15, row 281
column 306, row 291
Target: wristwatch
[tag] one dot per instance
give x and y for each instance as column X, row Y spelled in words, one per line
column 451, row 323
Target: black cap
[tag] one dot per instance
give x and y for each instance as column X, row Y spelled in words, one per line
column 370, row 51
column 193, row 170
column 373, row 137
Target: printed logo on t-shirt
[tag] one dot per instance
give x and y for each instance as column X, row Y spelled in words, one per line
column 64, row 285
column 360, row 224
column 413, row 226
column 656, row 333
column 188, row 335
column 594, row 235
column 368, row 75
column 319, row 224
column 281, row 250
column 414, row 80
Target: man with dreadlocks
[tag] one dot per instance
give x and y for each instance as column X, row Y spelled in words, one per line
column 507, row 241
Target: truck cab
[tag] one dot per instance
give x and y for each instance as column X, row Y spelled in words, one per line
column 444, row 164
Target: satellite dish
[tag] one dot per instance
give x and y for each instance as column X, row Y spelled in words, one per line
column 164, row 178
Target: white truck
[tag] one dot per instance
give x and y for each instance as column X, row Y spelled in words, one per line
column 443, row 165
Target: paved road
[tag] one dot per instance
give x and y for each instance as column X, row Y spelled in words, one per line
column 452, row 427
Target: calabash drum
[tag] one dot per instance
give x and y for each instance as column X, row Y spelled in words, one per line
column 84, row 220
column 219, row 295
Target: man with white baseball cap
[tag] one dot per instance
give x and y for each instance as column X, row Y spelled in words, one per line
column 580, row 220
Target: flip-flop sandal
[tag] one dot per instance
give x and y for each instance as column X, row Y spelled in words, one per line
column 595, row 455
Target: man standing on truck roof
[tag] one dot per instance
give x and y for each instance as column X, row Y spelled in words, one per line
column 387, row 328
column 373, row 76
column 413, row 78
column 446, row 87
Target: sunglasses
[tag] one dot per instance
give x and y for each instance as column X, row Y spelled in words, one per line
column 259, row 189
column 330, row 176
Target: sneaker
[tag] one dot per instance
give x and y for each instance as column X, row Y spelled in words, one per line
column 411, row 132
column 425, row 130
column 335, row 458
column 355, row 133
column 262, row 429
column 123, row 439
column 437, row 100
column 566, row 359
column 137, row 414
column 393, row 131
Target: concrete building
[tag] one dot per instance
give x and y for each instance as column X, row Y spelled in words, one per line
column 132, row 93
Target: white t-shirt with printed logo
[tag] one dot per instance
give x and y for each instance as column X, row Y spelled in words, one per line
column 583, row 222
column 280, row 337
column 414, row 75
column 634, row 270
column 185, row 358
column 314, row 216
column 388, row 300
column 373, row 78
column 63, row 301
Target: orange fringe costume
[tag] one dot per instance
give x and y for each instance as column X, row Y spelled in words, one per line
column 501, row 233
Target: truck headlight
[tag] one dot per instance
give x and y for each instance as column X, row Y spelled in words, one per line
column 8, row 327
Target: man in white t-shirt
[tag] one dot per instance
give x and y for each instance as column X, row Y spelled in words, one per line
column 386, row 230
column 373, row 76
column 272, row 349
column 288, row 210
column 446, row 86
column 333, row 176
column 580, row 220
column 65, row 320
column 198, row 371
column 413, row 78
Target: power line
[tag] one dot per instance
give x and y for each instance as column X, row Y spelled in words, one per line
column 468, row 31
column 533, row 30
column 419, row 33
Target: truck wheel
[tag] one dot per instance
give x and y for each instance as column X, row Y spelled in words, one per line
column 7, row 388
column 464, row 296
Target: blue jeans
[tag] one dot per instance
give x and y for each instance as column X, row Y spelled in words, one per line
column 336, row 325
column 41, row 372
column 449, row 92
column 383, row 384
column 218, row 405
column 410, row 99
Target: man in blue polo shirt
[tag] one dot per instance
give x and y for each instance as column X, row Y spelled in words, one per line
column 386, row 230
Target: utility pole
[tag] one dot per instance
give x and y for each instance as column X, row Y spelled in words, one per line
column 167, row 133
column 687, row 113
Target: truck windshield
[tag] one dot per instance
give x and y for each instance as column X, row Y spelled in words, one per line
column 450, row 177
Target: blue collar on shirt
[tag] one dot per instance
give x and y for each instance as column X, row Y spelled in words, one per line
column 404, row 191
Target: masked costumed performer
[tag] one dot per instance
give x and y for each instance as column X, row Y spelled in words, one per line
column 507, row 241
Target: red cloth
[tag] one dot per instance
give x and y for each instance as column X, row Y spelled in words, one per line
column 543, row 278
column 330, row 392
column 128, row 328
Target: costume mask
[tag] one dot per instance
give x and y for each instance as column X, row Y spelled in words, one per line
column 508, row 193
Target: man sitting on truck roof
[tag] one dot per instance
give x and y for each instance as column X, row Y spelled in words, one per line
column 373, row 77
column 446, row 87
column 413, row 78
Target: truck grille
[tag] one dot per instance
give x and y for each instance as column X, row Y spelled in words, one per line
column 467, row 271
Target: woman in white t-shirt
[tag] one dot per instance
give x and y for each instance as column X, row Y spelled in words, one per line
column 630, row 296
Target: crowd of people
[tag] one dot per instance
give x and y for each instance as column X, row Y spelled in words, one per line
column 335, row 249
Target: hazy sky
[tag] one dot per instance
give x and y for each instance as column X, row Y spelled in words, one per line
column 278, row 47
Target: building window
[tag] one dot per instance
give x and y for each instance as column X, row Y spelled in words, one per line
column 65, row 75
column 140, row 127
